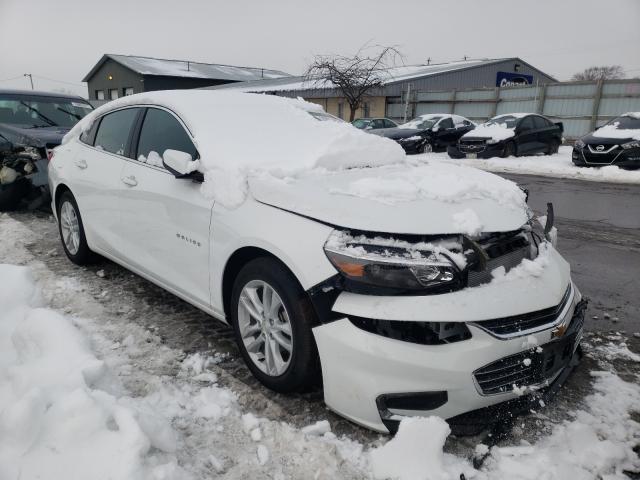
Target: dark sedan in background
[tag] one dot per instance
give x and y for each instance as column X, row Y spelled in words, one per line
column 32, row 124
column 428, row 133
column 616, row 143
column 510, row 134
column 373, row 123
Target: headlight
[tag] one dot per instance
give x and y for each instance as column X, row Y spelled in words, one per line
column 634, row 144
column 396, row 265
column 579, row 144
column 492, row 141
column 30, row 152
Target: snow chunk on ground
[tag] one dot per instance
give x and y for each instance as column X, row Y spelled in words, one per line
column 319, row 428
column 289, row 139
column 415, row 453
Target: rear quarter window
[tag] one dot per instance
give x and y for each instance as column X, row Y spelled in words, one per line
column 114, row 130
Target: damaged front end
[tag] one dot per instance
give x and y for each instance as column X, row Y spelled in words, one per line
column 23, row 177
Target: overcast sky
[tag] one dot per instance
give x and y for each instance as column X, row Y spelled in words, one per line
column 62, row 39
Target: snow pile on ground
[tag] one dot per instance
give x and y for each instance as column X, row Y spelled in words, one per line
column 557, row 165
column 54, row 422
column 437, row 181
column 596, row 444
column 238, row 133
column 496, row 131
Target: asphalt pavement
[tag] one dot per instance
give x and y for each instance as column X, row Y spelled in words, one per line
column 599, row 234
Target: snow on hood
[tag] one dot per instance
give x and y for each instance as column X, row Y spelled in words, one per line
column 430, row 199
column 612, row 131
column 241, row 133
column 496, row 131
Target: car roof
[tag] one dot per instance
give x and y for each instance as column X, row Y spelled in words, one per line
column 37, row 93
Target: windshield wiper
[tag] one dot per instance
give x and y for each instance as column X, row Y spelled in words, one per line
column 75, row 115
column 37, row 112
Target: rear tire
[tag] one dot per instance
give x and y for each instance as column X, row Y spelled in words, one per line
column 288, row 323
column 553, row 147
column 74, row 241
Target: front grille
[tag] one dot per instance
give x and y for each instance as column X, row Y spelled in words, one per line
column 508, row 261
column 608, row 156
column 525, row 323
column 502, row 375
column 537, row 366
column 472, row 146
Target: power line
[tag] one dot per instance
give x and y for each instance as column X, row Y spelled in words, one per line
column 12, row 78
column 60, row 81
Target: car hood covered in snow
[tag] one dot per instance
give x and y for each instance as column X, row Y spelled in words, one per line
column 492, row 131
column 429, row 199
column 33, row 137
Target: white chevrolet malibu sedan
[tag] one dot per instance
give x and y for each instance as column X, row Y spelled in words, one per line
column 410, row 288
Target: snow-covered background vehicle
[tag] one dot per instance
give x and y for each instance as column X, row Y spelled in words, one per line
column 32, row 124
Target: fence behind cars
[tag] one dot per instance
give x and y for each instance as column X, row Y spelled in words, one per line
column 581, row 106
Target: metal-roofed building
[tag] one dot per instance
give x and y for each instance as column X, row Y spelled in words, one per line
column 403, row 81
column 119, row 75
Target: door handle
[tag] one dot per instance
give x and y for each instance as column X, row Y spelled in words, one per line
column 130, row 180
column 81, row 164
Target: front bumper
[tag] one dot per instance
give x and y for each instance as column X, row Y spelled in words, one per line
column 375, row 381
column 412, row 146
column 480, row 151
column 619, row 157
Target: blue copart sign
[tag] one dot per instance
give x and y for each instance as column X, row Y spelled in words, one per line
column 509, row 79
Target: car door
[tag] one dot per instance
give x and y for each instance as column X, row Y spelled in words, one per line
column 446, row 134
column 526, row 136
column 544, row 134
column 165, row 220
column 96, row 174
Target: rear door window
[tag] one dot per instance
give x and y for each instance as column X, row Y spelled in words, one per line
column 389, row 124
column 161, row 131
column 113, row 133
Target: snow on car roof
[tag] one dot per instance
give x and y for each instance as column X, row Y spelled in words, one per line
column 276, row 135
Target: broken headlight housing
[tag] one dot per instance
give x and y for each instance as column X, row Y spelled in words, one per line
column 385, row 265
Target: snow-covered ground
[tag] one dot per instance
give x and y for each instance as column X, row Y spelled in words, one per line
column 86, row 394
column 558, row 165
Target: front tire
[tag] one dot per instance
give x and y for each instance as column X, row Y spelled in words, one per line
column 74, row 241
column 509, row 150
column 272, row 319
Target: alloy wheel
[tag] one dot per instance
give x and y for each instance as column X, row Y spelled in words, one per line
column 265, row 327
column 70, row 227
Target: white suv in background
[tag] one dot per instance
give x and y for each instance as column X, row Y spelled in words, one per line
column 413, row 289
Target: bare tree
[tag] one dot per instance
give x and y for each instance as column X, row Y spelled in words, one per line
column 354, row 76
column 605, row 72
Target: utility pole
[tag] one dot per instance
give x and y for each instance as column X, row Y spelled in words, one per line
column 30, row 79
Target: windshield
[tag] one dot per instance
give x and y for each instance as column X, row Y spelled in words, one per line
column 33, row 111
column 361, row 123
column 421, row 123
column 626, row 123
column 325, row 117
column 504, row 121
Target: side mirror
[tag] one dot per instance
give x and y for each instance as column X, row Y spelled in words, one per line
column 368, row 127
column 181, row 164
column 435, row 129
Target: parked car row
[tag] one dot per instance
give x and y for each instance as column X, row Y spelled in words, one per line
column 515, row 134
